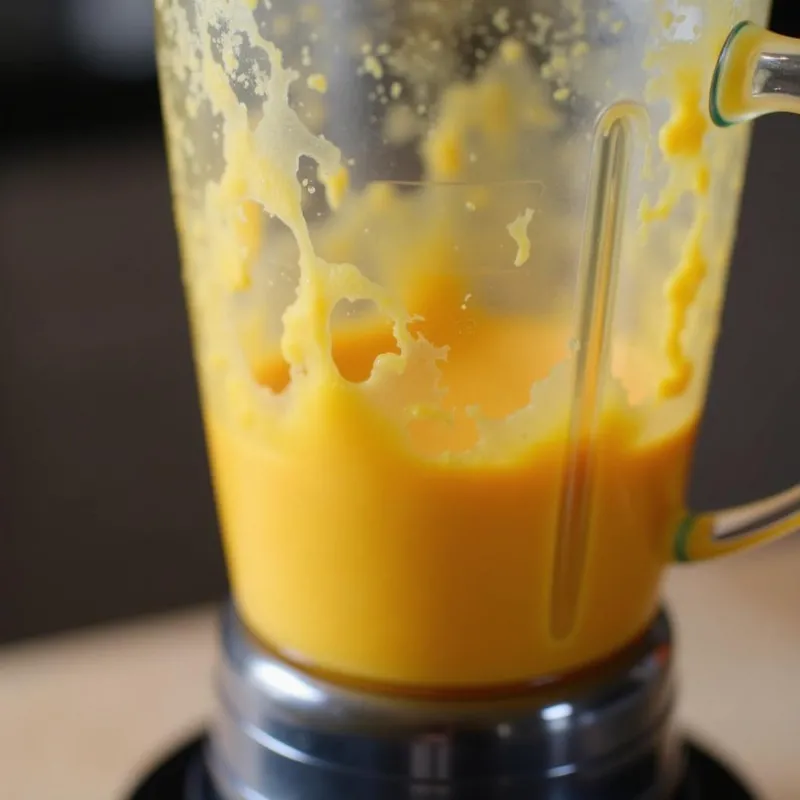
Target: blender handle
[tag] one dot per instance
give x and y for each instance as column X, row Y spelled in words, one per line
column 708, row 535
column 757, row 73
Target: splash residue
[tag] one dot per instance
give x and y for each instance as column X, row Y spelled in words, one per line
column 386, row 391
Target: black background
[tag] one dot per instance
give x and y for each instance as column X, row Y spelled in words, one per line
column 105, row 504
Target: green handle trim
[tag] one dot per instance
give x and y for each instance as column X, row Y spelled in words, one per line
column 713, row 109
column 682, row 537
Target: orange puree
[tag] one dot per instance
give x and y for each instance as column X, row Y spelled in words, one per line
column 392, row 494
column 364, row 550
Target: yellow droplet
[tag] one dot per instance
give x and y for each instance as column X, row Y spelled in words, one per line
column 445, row 154
column 702, row 179
column 336, row 186
column 579, row 49
column 317, row 82
column 681, row 292
column 511, row 51
column 684, row 133
column 518, row 230
column 500, row 20
column 373, row 67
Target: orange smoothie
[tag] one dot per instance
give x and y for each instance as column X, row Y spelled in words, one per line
column 391, row 361
column 353, row 550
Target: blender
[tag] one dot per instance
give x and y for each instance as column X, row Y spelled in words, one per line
column 454, row 272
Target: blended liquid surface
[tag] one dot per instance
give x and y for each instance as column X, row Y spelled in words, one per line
column 396, row 486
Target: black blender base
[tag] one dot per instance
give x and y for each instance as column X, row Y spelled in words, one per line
column 182, row 776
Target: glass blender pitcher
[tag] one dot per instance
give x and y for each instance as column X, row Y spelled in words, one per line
column 454, row 272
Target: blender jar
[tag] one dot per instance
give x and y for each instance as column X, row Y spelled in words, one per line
column 454, row 272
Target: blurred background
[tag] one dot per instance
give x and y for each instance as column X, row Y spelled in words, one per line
column 105, row 502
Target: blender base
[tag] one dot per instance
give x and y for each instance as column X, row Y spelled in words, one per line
column 280, row 733
column 183, row 776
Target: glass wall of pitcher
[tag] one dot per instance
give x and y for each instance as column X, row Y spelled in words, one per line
column 454, row 272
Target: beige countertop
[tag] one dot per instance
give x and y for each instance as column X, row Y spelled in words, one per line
column 82, row 715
